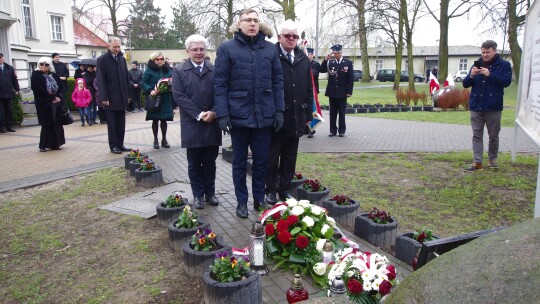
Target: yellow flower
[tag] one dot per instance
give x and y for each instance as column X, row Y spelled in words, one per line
column 212, row 235
column 233, row 263
column 202, row 241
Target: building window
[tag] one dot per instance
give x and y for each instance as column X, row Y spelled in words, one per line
column 378, row 64
column 94, row 54
column 27, row 19
column 463, row 64
column 57, row 28
column 32, row 66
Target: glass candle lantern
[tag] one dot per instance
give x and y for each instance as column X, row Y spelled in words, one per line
column 327, row 252
column 257, row 247
column 337, row 288
column 297, row 292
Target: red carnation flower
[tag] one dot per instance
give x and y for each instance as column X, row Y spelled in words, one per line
column 354, row 286
column 269, row 229
column 276, row 216
column 284, row 237
column 302, row 242
column 282, row 225
column 292, row 219
column 421, row 237
column 391, row 272
column 385, row 287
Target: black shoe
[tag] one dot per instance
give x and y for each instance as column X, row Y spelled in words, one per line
column 42, row 150
column 198, row 202
column 284, row 196
column 116, row 151
column 3, row 131
column 102, row 122
column 257, row 205
column 242, row 211
column 125, row 149
column 341, row 134
column 332, row 134
column 270, row 199
column 11, row 130
column 310, row 136
column 212, row 200
column 156, row 144
column 165, row 144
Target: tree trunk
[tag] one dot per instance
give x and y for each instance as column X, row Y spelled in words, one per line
column 288, row 9
column 230, row 18
column 444, row 21
column 361, row 8
column 408, row 40
column 515, row 49
column 399, row 49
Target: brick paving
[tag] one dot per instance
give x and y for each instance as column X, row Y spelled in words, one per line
column 87, row 150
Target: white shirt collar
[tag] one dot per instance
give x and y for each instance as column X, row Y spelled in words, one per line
column 196, row 65
column 285, row 52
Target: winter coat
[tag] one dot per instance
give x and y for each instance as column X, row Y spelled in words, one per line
column 194, row 93
column 8, row 82
column 298, row 93
column 96, row 92
column 135, row 77
column 79, row 73
column 340, row 77
column 61, row 70
column 43, row 99
column 113, row 81
column 81, row 98
column 248, row 80
column 152, row 74
column 89, row 79
column 487, row 92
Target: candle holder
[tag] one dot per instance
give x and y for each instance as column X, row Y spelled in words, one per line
column 297, row 292
column 337, row 288
column 257, row 249
column 327, row 252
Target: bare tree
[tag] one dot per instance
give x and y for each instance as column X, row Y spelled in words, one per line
column 409, row 14
column 288, row 8
column 112, row 7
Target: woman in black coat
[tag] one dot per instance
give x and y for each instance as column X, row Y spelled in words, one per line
column 48, row 93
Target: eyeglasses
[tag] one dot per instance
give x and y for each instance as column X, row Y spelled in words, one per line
column 289, row 36
column 197, row 50
column 249, row 20
column 159, row 59
column 44, row 64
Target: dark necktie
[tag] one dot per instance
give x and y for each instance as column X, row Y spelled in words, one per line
column 289, row 57
column 199, row 68
column 115, row 58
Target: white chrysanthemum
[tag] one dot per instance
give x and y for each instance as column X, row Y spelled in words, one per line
column 337, row 269
column 366, row 286
column 316, row 210
column 338, row 255
column 308, row 220
column 331, row 221
column 304, row 203
column 297, row 210
column 320, row 244
column 324, row 229
column 319, row 269
column 291, row 202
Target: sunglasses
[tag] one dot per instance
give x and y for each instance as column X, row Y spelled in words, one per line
column 44, row 64
column 289, row 36
column 159, row 59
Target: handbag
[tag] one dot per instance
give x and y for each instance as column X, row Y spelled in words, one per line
column 153, row 103
column 66, row 118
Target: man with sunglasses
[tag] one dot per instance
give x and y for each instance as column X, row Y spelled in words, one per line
column 339, row 88
column 9, row 85
column 249, row 101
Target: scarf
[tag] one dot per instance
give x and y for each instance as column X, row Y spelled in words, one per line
column 52, row 86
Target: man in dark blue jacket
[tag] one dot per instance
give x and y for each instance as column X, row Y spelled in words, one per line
column 488, row 78
column 9, row 85
column 339, row 88
column 249, row 101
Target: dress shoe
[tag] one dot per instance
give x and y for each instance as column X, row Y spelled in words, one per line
column 258, row 205
column 125, row 149
column 310, row 136
column 284, row 196
column 156, row 144
column 165, row 144
column 271, row 198
column 332, row 134
column 198, row 202
column 3, row 131
column 242, row 211
column 116, row 151
column 11, row 130
column 212, row 200
column 42, row 150
column 341, row 134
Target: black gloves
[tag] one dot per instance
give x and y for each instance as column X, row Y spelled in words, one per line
column 278, row 121
column 225, row 124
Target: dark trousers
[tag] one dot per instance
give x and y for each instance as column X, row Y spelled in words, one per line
column 281, row 163
column 101, row 114
column 337, row 107
column 116, row 127
column 135, row 98
column 258, row 140
column 6, row 113
column 202, row 170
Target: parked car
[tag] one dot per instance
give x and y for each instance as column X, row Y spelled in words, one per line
column 358, row 74
column 389, row 75
column 417, row 77
column 460, row 75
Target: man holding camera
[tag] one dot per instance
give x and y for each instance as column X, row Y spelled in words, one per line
column 488, row 78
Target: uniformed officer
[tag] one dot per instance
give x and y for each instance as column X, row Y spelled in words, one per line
column 339, row 88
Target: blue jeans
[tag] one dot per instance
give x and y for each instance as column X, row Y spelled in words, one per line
column 92, row 111
column 83, row 112
column 259, row 142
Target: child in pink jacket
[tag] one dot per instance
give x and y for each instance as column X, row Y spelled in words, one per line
column 81, row 98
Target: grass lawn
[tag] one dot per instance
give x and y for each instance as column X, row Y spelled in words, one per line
column 383, row 95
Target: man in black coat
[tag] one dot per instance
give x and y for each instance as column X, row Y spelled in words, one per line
column 62, row 71
column 135, row 77
column 339, row 88
column 8, row 86
column 193, row 91
column 298, row 111
column 112, row 75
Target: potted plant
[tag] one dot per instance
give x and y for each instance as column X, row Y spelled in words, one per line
column 187, row 224
column 227, row 154
column 230, row 280
column 296, row 181
column 416, row 97
column 148, row 175
column 131, row 156
column 426, row 102
column 169, row 210
column 343, row 209
column 378, row 228
column 136, row 163
column 408, row 244
column 313, row 191
column 368, row 277
column 200, row 251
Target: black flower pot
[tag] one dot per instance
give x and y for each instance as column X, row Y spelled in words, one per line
column 380, row 235
column 384, row 110
column 227, row 155
column 407, row 247
column 393, row 109
column 128, row 159
column 150, row 178
column 416, row 109
column 178, row 236
column 362, row 110
column 293, row 187
column 248, row 290
column 197, row 262
column 428, row 108
column 344, row 215
column 316, row 198
column 350, row 111
column 405, row 109
column 167, row 215
column 132, row 166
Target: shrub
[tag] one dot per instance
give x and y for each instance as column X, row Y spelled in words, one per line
column 69, row 103
column 424, row 98
column 17, row 110
column 465, row 99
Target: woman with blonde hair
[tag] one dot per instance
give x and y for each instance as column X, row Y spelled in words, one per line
column 158, row 69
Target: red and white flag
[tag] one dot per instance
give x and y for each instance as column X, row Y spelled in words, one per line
column 449, row 82
column 433, row 83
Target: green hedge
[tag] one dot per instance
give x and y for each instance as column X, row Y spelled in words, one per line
column 17, row 110
column 69, row 103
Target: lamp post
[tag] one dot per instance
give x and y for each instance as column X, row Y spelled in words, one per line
column 129, row 25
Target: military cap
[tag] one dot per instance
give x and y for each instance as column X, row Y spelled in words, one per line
column 310, row 50
column 337, row 48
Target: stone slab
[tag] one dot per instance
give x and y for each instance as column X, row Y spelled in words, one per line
column 143, row 204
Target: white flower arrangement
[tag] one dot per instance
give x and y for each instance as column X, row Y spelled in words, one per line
column 298, row 210
column 308, row 220
column 319, row 269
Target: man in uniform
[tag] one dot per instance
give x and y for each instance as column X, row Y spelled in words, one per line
column 339, row 88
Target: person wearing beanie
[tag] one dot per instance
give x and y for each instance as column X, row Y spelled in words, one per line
column 62, row 71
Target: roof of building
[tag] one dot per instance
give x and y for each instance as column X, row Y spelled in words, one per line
column 84, row 36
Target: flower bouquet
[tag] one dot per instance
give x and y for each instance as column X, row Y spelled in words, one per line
column 163, row 85
column 368, row 277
